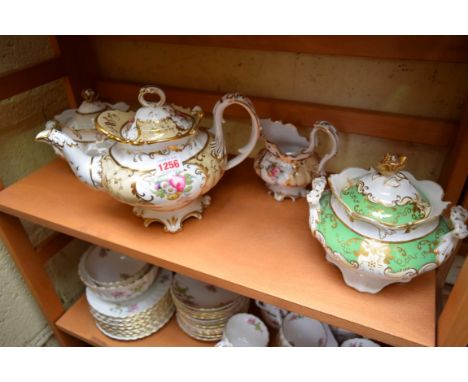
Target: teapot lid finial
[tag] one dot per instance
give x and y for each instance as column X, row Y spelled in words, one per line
column 90, row 104
column 151, row 90
column 89, row 95
column 391, row 163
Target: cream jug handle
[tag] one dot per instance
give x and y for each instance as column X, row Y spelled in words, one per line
column 218, row 110
column 330, row 130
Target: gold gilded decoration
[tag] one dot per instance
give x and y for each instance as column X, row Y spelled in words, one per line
column 377, row 253
column 126, row 127
column 391, row 164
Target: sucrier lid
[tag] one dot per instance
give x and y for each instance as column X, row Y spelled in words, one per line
column 154, row 122
column 387, row 195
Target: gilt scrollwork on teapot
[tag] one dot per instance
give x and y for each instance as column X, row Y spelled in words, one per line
column 161, row 161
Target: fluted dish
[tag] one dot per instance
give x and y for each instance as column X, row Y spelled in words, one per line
column 138, row 317
column 113, row 276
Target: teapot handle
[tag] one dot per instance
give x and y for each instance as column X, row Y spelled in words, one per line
column 330, row 130
column 218, row 110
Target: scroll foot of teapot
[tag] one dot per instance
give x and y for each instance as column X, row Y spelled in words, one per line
column 173, row 220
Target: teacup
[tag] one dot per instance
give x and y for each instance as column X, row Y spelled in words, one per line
column 244, row 329
column 271, row 314
column 300, row 331
column 359, row 342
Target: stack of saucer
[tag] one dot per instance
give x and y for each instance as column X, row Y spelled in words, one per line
column 129, row 299
column 203, row 309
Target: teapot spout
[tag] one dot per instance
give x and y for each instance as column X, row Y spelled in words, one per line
column 83, row 165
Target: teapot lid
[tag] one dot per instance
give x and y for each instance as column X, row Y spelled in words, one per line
column 82, row 120
column 154, row 122
column 387, row 195
column 90, row 104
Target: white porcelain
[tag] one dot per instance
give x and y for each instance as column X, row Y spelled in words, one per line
column 240, row 306
column 139, row 333
column 113, row 276
column 79, row 124
column 137, row 325
column 271, row 314
column 288, row 163
column 383, row 226
column 137, row 305
column 198, row 294
column 331, row 339
column 300, row 331
column 106, row 267
column 243, row 330
column 341, row 334
column 161, row 163
column 359, row 342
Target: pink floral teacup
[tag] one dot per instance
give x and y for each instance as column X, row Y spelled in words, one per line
column 271, row 314
column 298, row 330
column 244, row 329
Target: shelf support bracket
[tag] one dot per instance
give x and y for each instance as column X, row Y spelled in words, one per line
column 452, row 329
column 30, row 264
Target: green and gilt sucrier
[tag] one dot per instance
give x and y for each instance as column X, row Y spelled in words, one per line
column 382, row 226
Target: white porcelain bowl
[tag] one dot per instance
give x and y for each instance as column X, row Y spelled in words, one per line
column 244, row 329
column 301, row 331
column 115, row 277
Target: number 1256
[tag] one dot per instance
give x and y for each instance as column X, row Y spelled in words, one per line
column 169, row 165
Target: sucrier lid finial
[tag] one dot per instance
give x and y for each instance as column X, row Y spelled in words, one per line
column 391, row 163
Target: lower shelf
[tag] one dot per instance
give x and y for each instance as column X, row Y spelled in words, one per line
column 78, row 322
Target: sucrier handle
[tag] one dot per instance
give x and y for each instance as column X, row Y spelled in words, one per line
column 330, row 130
column 218, row 110
column 151, row 90
column 448, row 242
column 313, row 198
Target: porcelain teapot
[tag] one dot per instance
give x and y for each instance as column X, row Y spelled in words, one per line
column 79, row 124
column 382, row 226
column 161, row 163
column 288, row 162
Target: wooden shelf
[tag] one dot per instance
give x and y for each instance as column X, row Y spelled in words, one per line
column 246, row 242
column 78, row 322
